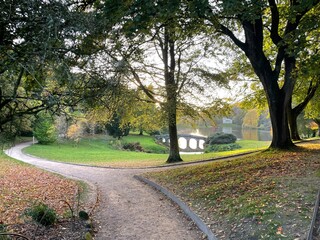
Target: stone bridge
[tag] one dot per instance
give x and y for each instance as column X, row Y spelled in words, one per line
column 187, row 142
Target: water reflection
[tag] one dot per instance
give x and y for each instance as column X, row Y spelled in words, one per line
column 239, row 132
column 227, row 130
column 182, row 143
column 193, row 144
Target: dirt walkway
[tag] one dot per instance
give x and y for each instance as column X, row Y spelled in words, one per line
column 128, row 209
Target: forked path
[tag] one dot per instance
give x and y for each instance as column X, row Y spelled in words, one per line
column 128, row 209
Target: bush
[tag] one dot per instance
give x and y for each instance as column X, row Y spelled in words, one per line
column 44, row 130
column 116, row 129
column 133, row 147
column 6, row 139
column 221, row 147
column 42, row 214
column 75, row 132
column 221, row 138
column 154, row 132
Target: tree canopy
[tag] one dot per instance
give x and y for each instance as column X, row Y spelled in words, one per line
column 155, row 42
column 86, row 54
column 32, row 48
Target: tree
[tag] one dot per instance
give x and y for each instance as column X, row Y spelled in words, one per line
column 237, row 114
column 24, row 32
column 294, row 112
column 312, row 110
column 285, row 26
column 39, row 49
column 115, row 128
column 305, row 89
column 154, row 41
column 143, row 114
column 251, row 119
column 32, row 48
column 75, row 132
column 130, row 108
column 308, row 81
column 44, row 129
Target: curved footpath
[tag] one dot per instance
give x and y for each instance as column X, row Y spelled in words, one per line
column 127, row 209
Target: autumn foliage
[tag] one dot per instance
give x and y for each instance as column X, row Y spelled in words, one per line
column 21, row 186
column 74, row 132
column 251, row 119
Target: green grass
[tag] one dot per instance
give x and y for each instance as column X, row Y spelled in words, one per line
column 246, row 146
column 147, row 143
column 253, row 145
column 98, row 152
column 102, row 151
column 6, row 162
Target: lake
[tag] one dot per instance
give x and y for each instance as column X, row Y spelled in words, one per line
column 238, row 131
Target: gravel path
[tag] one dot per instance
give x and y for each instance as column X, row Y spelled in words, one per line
column 128, row 209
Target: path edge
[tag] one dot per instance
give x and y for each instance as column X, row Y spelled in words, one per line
column 314, row 216
column 195, row 218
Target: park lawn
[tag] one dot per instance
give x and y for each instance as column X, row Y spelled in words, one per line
column 96, row 152
column 22, row 185
column 147, row 142
column 246, row 146
column 269, row 195
column 99, row 151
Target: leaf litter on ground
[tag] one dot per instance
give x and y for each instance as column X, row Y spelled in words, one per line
column 269, row 195
column 22, row 185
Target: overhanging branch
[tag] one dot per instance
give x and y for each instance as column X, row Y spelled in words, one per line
column 230, row 34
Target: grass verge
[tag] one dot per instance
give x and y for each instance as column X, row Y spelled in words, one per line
column 100, row 151
column 269, row 195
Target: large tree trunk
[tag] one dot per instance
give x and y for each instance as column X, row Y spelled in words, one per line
column 293, row 126
column 140, row 131
column 280, row 130
column 171, row 92
column 293, row 113
column 279, row 100
column 174, row 154
column 278, row 97
column 292, row 121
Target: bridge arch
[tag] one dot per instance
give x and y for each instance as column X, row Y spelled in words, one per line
column 187, row 142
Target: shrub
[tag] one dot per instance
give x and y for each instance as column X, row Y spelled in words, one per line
column 42, row 214
column 116, row 129
column 6, row 139
column 221, row 138
column 221, row 147
column 154, row 132
column 44, row 130
column 75, row 132
column 133, row 147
